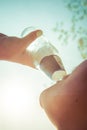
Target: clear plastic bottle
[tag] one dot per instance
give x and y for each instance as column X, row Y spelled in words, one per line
column 46, row 57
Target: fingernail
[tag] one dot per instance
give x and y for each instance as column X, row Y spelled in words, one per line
column 39, row 33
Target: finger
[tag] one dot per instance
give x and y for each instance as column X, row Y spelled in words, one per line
column 31, row 37
column 2, row 35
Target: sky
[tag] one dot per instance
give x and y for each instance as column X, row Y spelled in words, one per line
column 21, row 85
column 20, row 14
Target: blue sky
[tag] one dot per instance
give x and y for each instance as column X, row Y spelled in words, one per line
column 20, row 14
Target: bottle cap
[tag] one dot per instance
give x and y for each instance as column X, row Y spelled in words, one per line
column 58, row 75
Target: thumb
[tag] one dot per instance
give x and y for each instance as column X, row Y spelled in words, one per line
column 31, row 37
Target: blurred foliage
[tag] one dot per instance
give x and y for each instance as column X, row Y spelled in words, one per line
column 76, row 31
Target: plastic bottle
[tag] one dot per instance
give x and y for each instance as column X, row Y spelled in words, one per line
column 46, row 58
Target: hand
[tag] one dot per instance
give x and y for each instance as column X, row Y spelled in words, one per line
column 14, row 48
column 65, row 103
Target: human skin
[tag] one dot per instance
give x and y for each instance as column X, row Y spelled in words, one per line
column 65, row 102
column 14, row 49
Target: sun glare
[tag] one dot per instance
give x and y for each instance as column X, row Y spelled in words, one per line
column 18, row 103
